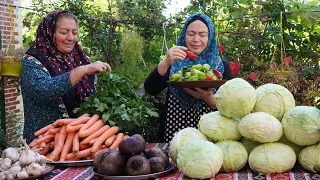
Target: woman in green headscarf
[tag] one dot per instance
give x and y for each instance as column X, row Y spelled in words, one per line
column 184, row 107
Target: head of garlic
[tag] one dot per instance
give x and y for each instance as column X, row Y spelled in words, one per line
column 34, row 169
column 11, row 153
column 27, row 157
column 15, row 170
column 5, row 163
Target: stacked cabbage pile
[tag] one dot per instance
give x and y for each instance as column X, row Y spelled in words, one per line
column 260, row 126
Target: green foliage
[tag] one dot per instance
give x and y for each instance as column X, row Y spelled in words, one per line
column 117, row 103
column 131, row 48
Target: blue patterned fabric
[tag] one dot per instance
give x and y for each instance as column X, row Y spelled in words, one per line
column 209, row 55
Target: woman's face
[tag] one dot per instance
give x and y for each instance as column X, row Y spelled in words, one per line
column 65, row 35
column 197, row 36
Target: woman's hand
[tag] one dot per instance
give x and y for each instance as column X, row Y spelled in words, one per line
column 204, row 94
column 89, row 69
column 97, row 67
column 174, row 54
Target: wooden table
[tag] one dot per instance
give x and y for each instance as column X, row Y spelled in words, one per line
column 84, row 173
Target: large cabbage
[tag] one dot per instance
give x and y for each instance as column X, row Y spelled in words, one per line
column 301, row 125
column 309, row 158
column 218, row 128
column 235, row 155
column 200, row 159
column 274, row 99
column 261, row 127
column 272, row 158
column 183, row 136
column 235, row 98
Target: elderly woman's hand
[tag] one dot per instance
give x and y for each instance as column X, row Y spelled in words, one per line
column 174, row 54
column 97, row 67
column 204, row 94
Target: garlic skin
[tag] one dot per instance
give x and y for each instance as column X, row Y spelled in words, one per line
column 15, row 170
column 27, row 157
column 10, row 175
column 3, row 175
column 43, row 160
column 5, row 163
column 11, row 153
column 34, row 169
column 22, row 175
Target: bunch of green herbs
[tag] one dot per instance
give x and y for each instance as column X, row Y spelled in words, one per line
column 116, row 101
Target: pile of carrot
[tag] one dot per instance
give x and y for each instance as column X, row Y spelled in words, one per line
column 76, row 138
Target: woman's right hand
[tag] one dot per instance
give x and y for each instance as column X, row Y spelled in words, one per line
column 174, row 54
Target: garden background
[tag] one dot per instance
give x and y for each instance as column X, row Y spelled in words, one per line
column 265, row 41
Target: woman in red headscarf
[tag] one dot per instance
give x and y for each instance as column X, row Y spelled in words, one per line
column 56, row 74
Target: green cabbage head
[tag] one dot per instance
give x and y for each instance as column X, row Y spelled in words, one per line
column 273, row 99
column 218, row 128
column 200, row 159
column 301, row 125
column 272, row 158
column 261, row 127
column 309, row 158
column 235, row 98
column 181, row 137
column 235, row 155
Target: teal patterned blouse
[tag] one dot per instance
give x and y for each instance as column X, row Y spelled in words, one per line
column 40, row 93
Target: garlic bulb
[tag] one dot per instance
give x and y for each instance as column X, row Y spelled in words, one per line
column 43, row 160
column 15, row 170
column 11, row 153
column 10, row 175
column 27, row 157
column 34, row 169
column 5, row 164
column 23, row 174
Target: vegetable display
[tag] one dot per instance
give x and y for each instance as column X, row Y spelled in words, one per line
column 196, row 72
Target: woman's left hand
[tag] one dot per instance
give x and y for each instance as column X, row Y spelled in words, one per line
column 204, row 94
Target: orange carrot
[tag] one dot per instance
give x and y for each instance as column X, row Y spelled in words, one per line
column 91, row 121
column 116, row 142
column 84, row 153
column 83, row 146
column 33, row 143
column 67, row 146
column 110, row 140
column 45, row 149
column 54, row 130
column 75, row 144
column 56, row 137
column 35, row 147
column 66, row 121
column 104, row 146
column 91, row 142
column 74, row 128
column 71, row 157
column 95, row 127
column 95, row 134
column 58, row 148
column 45, row 138
column 43, row 130
column 101, row 139
column 79, row 120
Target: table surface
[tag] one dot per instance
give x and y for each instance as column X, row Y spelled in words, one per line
column 86, row 173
